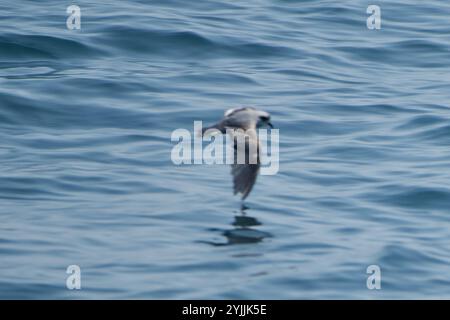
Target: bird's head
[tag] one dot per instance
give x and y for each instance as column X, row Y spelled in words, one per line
column 263, row 120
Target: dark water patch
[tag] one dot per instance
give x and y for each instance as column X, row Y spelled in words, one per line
column 421, row 121
column 14, row 291
column 23, row 46
column 218, row 78
column 323, row 128
column 439, row 135
column 67, row 114
column 417, row 53
column 30, row 188
column 356, row 153
column 413, row 197
column 404, row 258
column 185, row 44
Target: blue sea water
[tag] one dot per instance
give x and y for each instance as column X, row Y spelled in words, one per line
column 86, row 177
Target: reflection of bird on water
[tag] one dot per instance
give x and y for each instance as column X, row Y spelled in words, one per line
column 248, row 120
column 242, row 232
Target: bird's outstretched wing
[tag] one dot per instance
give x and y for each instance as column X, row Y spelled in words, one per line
column 244, row 174
column 244, row 178
column 241, row 118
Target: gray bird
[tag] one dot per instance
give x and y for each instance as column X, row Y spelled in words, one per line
column 248, row 119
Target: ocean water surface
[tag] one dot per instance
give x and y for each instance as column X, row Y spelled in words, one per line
column 86, row 176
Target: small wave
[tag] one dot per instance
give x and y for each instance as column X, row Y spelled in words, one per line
column 397, row 256
column 421, row 121
column 415, row 53
column 184, row 44
column 19, row 110
column 18, row 46
column 413, row 197
column 439, row 135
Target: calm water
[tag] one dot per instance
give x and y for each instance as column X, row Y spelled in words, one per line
column 85, row 171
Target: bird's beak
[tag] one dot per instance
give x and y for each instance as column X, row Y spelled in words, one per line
column 270, row 125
